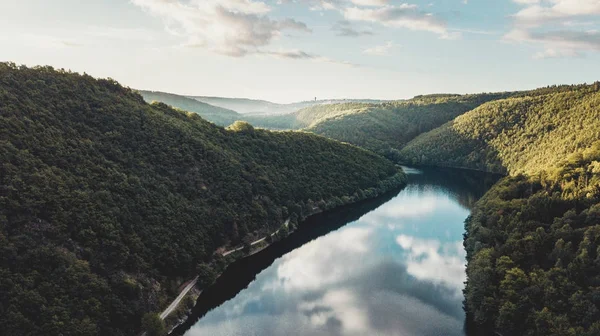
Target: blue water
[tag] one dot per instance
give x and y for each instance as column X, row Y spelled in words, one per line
column 398, row 270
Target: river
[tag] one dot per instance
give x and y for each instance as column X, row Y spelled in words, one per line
column 390, row 266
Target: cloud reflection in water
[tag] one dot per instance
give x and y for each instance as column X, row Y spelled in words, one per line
column 399, row 270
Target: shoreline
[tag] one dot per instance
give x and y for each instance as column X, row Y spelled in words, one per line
column 312, row 227
column 393, row 183
column 411, row 165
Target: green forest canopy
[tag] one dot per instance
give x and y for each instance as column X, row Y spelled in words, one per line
column 107, row 202
column 385, row 128
column 118, row 196
column 533, row 241
column 533, row 251
column 381, row 127
column 516, row 135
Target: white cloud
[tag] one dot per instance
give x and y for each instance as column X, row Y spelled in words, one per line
column 242, row 27
column 380, row 50
column 542, row 22
column 230, row 27
column 320, row 5
column 442, row 263
column 400, row 16
column 345, row 28
column 317, row 263
column 370, row 2
column 302, row 55
column 383, row 12
column 539, row 11
column 395, row 214
column 563, row 43
column 554, row 53
column 345, row 306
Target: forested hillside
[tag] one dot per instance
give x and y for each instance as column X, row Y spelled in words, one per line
column 307, row 117
column 533, row 242
column 533, row 251
column 388, row 127
column 381, row 127
column 298, row 115
column 107, row 202
column 217, row 115
column 516, row 135
column 385, row 128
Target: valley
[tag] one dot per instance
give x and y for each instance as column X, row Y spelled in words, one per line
column 300, row 167
column 534, row 234
column 124, row 198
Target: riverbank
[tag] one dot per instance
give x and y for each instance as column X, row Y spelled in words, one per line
column 225, row 257
column 326, row 244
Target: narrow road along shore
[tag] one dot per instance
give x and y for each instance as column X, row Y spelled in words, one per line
column 177, row 300
column 287, row 222
column 192, row 283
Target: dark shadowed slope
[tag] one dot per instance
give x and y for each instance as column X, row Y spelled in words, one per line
column 108, row 203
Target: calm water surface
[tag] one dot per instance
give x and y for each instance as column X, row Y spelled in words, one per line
column 395, row 266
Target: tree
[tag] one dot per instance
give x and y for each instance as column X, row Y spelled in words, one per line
column 153, row 324
column 206, row 275
column 111, row 199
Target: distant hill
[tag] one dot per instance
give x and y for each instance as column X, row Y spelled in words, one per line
column 271, row 116
column 252, row 106
column 306, row 117
column 385, row 128
column 218, row 115
column 523, row 134
column 107, row 203
column 533, row 241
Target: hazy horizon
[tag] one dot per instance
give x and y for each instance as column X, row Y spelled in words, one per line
column 360, row 98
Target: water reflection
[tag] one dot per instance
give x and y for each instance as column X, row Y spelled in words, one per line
column 396, row 270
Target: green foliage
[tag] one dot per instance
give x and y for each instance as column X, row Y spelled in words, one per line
column 533, row 241
column 516, row 135
column 153, row 325
column 542, row 233
column 387, row 127
column 206, row 275
column 105, row 200
column 241, row 126
column 380, row 127
column 260, row 113
column 261, row 107
column 384, row 127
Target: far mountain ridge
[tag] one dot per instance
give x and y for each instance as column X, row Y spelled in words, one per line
column 258, row 106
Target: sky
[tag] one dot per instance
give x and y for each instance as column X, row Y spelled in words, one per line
column 295, row 50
